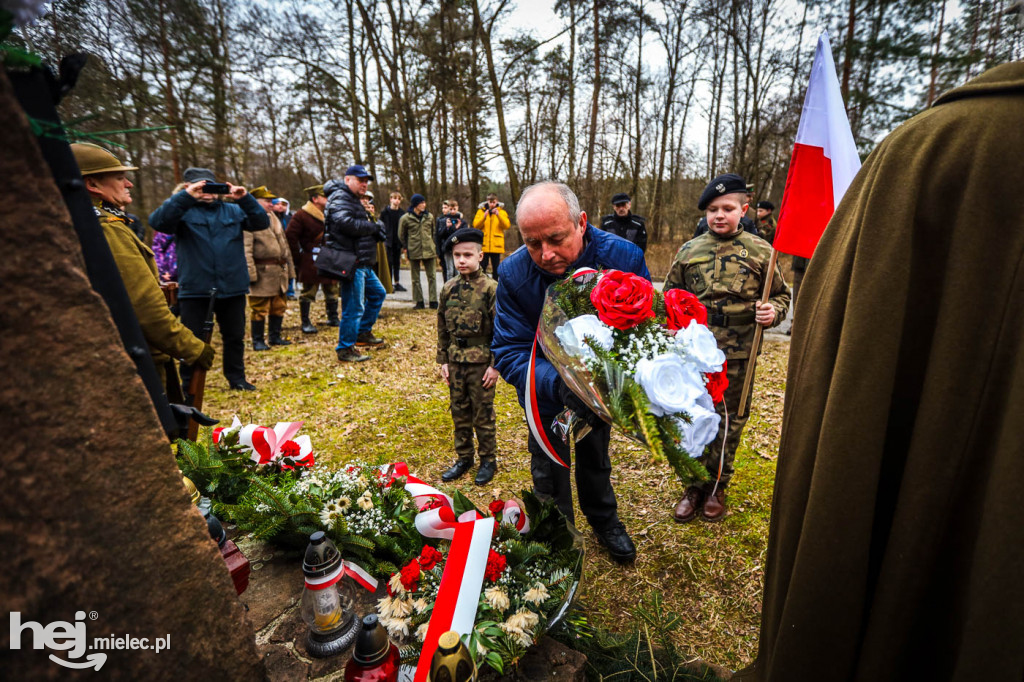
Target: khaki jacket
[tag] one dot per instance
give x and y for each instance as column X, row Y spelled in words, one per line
column 417, row 233
column 269, row 259
column 166, row 335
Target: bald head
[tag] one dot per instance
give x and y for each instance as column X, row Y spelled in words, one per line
column 552, row 225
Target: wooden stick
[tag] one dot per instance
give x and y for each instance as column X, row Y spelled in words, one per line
column 748, row 380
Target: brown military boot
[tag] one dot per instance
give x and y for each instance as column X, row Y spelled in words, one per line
column 714, row 506
column 690, row 505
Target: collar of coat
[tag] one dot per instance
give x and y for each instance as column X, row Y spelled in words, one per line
column 311, row 208
column 1005, row 78
column 101, row 207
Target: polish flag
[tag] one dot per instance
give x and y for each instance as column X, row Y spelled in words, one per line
column 823, row 164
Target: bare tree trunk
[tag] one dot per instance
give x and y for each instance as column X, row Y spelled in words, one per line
column 594, row 99
column 848, row 51
column 935, row 54
column 636, row 100
column 172, row 105
column 573, row 171
column 353, row 99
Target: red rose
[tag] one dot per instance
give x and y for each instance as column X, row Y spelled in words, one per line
column 429, row 557
column 410, row 575
column 496, row 507
column 716, row 384
column 495, row 566
column 683, row 307
column 623, row 300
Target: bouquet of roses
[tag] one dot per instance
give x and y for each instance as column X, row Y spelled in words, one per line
column 645, row 362
column 533, row 570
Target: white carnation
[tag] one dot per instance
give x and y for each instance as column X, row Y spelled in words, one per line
column 537, row 594
column 672, row 385
column 496, row 598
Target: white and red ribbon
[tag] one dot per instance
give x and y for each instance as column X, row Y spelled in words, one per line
column 514, row 515
column 353, row 570
column 266, row 445
column 532, row 410
column 458, row 595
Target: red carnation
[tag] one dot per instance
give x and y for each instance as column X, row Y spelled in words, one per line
column 410, row 575
column 429, row 557
column 683, row 307
column 495, row 566
column 496, row 507
column 623, row 300
column 716, row 384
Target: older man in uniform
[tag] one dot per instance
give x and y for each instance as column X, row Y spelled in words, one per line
column 270, row 269
column 558, row 240
column 110, row 189
column 305, row 233
column 624, row 223
column 726, row 269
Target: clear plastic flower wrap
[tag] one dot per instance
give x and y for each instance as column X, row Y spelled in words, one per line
column 644, row 362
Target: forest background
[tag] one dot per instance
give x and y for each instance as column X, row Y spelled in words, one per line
column 449, row 98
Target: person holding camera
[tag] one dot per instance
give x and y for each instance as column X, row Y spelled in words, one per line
column 208, row 219
column 492, row 220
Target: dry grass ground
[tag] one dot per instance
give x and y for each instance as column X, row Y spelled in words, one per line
column 395, row 407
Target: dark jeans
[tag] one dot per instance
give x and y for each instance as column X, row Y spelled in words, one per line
column 593, row 476
column 494, row 259
column 230, row 315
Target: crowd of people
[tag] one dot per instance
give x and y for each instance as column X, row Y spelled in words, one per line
column 218, row 246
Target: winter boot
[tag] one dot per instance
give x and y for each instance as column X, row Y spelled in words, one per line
column 332, row 312
column 307, row 326
column 275, row 332
column 257, row 336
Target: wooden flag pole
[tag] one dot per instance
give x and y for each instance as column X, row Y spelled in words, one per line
column 748, row 380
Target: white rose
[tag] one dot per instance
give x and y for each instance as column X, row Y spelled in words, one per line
column 698, row 342
column 572, row 333
column 702, row 429
column 672, row 385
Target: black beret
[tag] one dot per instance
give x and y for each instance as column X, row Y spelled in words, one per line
column 620, row 198
column 465, row 234
column 766, row 204
column 730, row 183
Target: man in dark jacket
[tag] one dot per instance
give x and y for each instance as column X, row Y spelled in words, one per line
column 305, row 233
column 390, row 217
column 622, row 222
column 448, row 224
column 211, row 254
column 349, row 230
column 557, row 240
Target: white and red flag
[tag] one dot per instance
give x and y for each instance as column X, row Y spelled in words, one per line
column 824, row 160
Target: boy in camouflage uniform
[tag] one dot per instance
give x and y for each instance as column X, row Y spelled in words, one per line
column 726, row 268
column 465, row 326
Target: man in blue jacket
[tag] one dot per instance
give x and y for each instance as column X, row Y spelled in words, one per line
column 349, row 228
column 557, row 240
column 211, row 254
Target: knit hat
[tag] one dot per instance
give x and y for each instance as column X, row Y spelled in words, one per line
column 196, row 174
column 416, row 200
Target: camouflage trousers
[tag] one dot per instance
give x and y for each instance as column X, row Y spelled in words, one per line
column 735, row 372
column 472, row 408
column 331, row 290
column 261, row 306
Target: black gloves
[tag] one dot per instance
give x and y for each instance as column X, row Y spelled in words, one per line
column 574, row 403
column 382, row 235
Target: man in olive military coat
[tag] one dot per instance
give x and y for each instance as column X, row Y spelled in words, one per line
column 726, row 269
column 110, row 189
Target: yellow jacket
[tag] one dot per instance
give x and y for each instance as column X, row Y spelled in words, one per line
column 493, row 226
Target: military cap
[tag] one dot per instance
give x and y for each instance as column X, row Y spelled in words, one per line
column 730, row 183
column 465, row 234
column 314, row 191
column 262, row 192
column 620, row 198
column 197, row 174
column 93, row 159
column 750, row 189
column 766, row 204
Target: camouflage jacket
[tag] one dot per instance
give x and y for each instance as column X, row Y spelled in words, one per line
column 465, row 319
column 726, row 274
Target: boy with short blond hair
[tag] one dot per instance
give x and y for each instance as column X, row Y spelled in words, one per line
column 465, row 327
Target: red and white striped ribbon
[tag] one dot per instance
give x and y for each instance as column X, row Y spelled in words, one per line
column 532, row 411
column 352, row 570
column 459, row 592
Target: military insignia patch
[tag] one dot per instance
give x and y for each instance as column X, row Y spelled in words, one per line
column 720, row 187
column 743, row 253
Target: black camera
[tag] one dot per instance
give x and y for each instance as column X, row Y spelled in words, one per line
column 216, row 188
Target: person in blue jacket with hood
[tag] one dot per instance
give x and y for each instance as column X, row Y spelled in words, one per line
column 211, row 254
column 558, row 240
